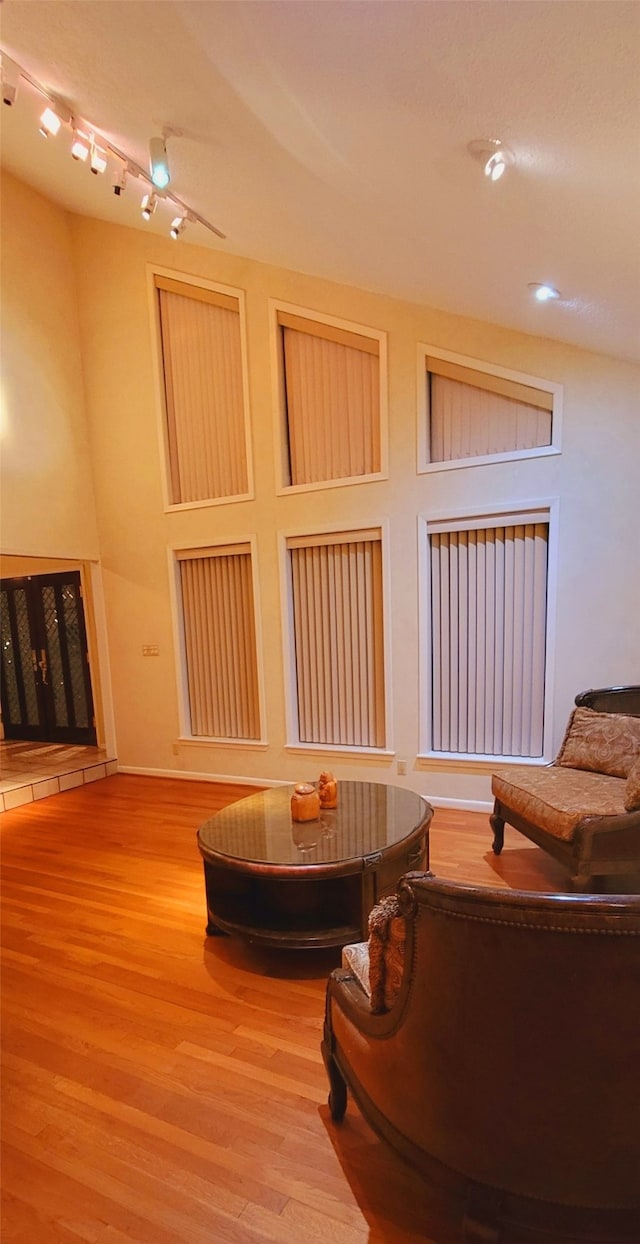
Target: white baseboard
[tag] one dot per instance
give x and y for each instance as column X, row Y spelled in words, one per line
column 230, row 778
column 461, row 805
column 436, row 801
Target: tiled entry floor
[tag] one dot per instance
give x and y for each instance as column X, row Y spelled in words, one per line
column 31, row 771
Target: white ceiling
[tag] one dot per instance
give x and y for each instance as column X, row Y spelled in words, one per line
column 331, row 137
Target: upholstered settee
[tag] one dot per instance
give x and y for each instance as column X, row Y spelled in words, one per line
column 492, row 1037
column 584, row 809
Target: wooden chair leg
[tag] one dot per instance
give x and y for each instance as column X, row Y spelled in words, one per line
column 497, row 824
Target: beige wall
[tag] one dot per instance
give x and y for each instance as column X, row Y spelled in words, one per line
column 47, row 504
column 595, row 478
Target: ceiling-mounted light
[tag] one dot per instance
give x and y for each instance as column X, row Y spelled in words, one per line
column 494, row 156
column 122, row 170
column 49, row 123
column 148, row 205
column 544, row 293
column 178, row 225
column 495, row 166
column 80, row 146
column 54, row 115
column 158, row 163
column 98, row 158
column 10, row 81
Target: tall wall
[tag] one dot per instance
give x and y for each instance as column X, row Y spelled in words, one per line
column 595, row 478
column 47, row 506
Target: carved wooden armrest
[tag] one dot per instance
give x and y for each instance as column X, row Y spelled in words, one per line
column 387, row 941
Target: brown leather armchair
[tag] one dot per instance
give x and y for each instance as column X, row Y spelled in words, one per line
column 508, row 1067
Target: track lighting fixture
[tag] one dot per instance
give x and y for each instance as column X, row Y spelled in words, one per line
column 92, row 147
column 148, row 205
column 10, row 81
column 98, row 158
column 54, row 115
column 544, row 293
column 494, row 156
column 158, row 163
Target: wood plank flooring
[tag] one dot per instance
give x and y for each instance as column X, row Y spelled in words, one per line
column 165, row 1088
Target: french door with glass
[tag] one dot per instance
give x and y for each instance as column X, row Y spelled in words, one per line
column 45, row 679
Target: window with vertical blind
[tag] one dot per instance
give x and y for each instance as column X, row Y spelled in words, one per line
column 206, row 431
column 487, row 634
column 337, row 622
column 330, row 397
column 470, row 414
column 219, row 641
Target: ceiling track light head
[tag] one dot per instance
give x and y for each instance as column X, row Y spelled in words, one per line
column 98, row 161
column 10, row 81
column 80, row 146
column 54, row 116
column 159, row 163
column 120, row 177
column 179, row 223
column 493, row 154
column 148, row 205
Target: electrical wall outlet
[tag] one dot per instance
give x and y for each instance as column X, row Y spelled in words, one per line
column 402, row 766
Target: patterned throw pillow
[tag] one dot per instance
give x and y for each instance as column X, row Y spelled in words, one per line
column 602, row 742
column 632, row 791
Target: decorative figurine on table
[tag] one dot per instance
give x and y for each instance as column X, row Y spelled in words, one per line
column 328, row 790
column 305, row 802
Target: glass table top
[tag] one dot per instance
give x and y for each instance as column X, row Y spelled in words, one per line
column 370, row 816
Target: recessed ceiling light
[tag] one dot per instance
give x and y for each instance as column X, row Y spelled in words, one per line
column 543, row 293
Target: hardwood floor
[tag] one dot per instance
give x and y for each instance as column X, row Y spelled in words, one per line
column 166, row 1088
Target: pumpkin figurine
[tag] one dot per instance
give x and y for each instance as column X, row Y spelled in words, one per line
column 328, row 790
column 305, row 802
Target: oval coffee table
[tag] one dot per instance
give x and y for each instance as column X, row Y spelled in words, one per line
column 313, row 883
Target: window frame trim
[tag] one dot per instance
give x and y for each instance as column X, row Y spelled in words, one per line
column 185, row 733
column 282, row 488
column 293, row 743
column 159, row 390
column 545, row 509
column 424, row 464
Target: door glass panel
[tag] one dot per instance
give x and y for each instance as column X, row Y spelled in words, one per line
column 26, row 659
column 8, row 661
column 75, row 655
column 56, row 671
